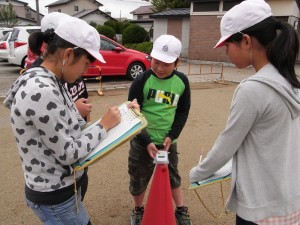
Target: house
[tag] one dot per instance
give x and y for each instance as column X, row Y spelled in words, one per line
column 25, row 14
column 93, row 15
column 199, row 26
column 205, row 25
column 87, row 10
column 141, row 17
column 142, row 13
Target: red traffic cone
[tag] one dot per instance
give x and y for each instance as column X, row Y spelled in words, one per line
column 159, row 207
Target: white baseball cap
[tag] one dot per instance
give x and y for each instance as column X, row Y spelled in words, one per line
column 81, row 34
column 242, row 16
column 166, row 48
column 51, row 20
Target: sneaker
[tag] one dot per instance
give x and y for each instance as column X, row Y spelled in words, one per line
column 136, row 216
column 182, row 216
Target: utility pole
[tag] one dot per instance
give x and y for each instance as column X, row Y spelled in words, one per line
column 38, row 20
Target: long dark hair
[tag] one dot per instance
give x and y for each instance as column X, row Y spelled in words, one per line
column 53, row 41
column 281, row 43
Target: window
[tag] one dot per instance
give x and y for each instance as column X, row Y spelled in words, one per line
column 106, row 45
column 214, row 5
column 206, row 6
column 76, row 8
column 32, row 30
column 6, row 35
column 227, row 5
column 59, row 10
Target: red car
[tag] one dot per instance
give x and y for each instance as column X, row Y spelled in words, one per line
column 119, row 61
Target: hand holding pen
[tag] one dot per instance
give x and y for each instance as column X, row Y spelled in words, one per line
column 111, row 118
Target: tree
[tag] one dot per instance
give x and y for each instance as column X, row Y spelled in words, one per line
column 162, row 5
column 8, row 16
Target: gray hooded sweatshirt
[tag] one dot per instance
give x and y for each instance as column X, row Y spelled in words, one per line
column 47, row 127
column 262, row 136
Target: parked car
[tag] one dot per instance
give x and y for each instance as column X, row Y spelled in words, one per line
column 119, row 61
column 4, row 46
column 4, row 30
column 18, row 44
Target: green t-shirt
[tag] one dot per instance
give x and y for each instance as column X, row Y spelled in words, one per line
column 164, row 102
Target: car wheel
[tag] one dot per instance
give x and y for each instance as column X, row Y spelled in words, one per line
column 134, row 70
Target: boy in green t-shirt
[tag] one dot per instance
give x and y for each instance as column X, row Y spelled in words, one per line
column 163, row 94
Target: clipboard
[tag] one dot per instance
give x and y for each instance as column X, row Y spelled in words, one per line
column 124, row 131
column 223, row 174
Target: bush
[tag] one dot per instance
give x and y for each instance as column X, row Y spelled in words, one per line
column 107, row 31
column 134, row 34
column 126, row 24
column 112, row 24
column 145, row 47
column 120, row 27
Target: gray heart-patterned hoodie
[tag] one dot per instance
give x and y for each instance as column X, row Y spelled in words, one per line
column 47, row 127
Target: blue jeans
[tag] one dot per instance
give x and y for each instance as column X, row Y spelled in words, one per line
column 61, row 214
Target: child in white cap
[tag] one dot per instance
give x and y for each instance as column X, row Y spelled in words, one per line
column 163, row 94
column 262, row 134
column 77, row 90
column 47, row 125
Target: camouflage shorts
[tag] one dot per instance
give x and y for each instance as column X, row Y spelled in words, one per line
column 141, row 166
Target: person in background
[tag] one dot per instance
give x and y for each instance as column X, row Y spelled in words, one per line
column 263, row 129
column 77, row 90
column 47, row 125
column 163, row 94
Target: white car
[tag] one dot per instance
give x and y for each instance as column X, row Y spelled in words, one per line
column 18, row 44
column 4, row 46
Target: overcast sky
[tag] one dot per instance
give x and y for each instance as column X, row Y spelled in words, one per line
column 117, row 7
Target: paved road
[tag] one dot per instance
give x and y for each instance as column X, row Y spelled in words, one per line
column 196, row 73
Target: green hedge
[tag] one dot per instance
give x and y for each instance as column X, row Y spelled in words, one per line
column 106, row 31
column 111, row 23
column 142, row 47
column 134, row 34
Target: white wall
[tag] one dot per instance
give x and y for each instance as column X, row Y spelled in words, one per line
column 97, row 18
column 185, row 37
column 146, row 26
column 160, row 27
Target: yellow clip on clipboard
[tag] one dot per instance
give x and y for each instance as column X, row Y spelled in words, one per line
column 132, row 122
